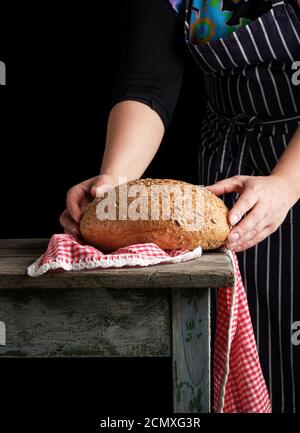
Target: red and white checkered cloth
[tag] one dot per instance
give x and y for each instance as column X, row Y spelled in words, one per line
column 68, row 253
column 239, row 385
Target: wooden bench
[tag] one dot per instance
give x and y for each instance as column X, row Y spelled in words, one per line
column 157, row 311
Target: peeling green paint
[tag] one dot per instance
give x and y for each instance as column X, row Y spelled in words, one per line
column 178, row 393
column 195, row 405
column 190, row 324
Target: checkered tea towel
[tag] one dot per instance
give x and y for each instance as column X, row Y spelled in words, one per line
column 68, row 253
column 239, row 385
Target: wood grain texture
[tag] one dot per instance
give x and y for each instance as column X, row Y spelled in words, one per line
column 25, row 243
column 191, row 350
column 212, row 269
column 84, row 323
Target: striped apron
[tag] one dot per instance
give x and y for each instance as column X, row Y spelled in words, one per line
column 252, row 113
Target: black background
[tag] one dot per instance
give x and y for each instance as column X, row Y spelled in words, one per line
column 61, row 64
column 61, row 61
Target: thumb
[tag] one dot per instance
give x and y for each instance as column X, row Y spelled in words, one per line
column 98, row 190
column 104, row 184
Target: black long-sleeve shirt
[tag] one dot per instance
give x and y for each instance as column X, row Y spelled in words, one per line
column 151, row 62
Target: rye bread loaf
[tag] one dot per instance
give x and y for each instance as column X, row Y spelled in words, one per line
column 172, row 226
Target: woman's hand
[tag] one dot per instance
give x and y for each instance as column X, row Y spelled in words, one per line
column 265, row 199
column 80, row 196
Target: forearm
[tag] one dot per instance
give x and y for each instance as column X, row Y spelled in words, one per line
column 134, row 133
column 288, row 166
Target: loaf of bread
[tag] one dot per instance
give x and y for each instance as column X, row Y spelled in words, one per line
column 170, row 213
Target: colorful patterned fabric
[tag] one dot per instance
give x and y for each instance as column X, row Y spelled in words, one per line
column 209, row 21
column 212, row 19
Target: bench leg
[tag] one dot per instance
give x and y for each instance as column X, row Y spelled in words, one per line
column 191, row 350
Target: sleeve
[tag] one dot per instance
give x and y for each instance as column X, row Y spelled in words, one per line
column 151, row 61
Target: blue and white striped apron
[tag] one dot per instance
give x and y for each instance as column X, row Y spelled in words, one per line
column 253, row 112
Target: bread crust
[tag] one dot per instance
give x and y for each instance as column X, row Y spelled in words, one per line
column 172, row 233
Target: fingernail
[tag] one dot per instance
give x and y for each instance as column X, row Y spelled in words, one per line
column 234, row 219
column 76, row 218
column 100, row 190
column 233, row 237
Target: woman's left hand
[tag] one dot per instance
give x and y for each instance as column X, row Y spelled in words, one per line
column 265, row 199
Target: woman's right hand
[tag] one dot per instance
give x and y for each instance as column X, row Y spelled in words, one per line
column 134, row 133
column 80, row 196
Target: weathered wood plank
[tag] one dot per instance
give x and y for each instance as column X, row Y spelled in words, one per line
column 210, row 270
column 21, row 252
column 79, row 323
column 191, row 350
column 37, row 243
